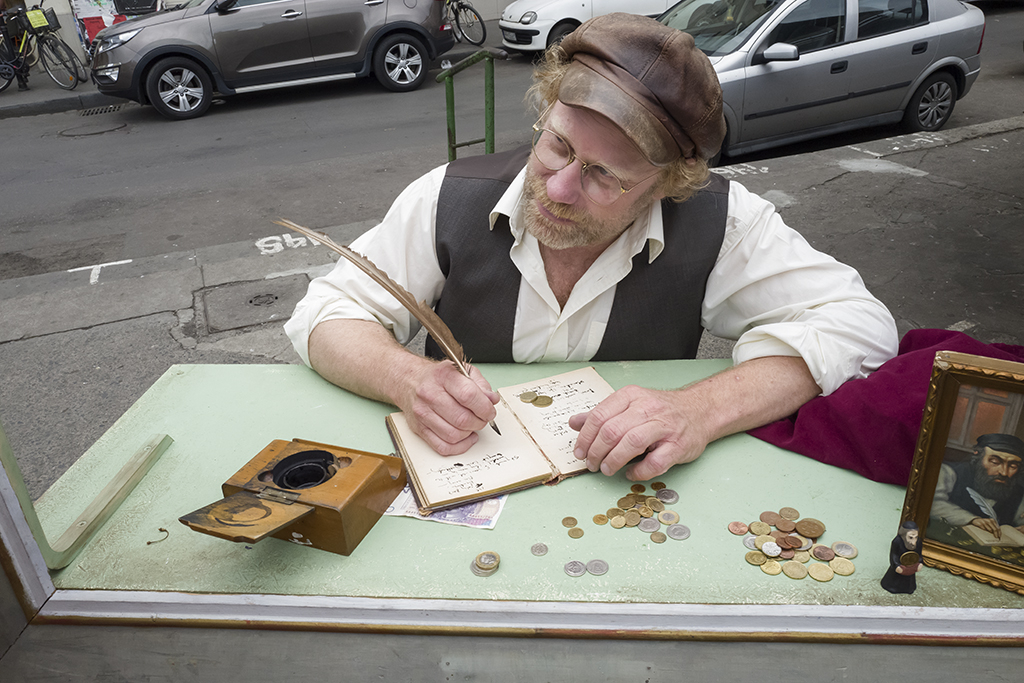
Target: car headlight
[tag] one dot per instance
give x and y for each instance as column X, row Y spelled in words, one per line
column 116, row 40
column 528, row 18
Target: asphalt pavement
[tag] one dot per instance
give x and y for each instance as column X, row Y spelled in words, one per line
column 934, row 222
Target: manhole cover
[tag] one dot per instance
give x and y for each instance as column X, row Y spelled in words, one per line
column 93, row 128
column 241, row 304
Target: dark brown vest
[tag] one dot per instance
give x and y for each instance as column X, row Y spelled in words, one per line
column 657, row 308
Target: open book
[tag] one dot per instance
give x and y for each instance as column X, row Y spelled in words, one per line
column 535, row 446
column 1008, row 536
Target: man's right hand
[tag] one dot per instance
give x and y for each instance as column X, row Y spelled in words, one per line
column 987, row 524
column 446, row 409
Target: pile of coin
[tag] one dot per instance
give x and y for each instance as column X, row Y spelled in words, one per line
column 647, row 513
column 539, row 400
column 486, row 563
column 789, row 547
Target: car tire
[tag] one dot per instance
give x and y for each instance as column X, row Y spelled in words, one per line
column 932, row 104
column 400, row 62
column 560, row 31
column 179, row 89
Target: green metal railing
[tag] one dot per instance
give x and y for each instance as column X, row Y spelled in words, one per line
column 449, row 94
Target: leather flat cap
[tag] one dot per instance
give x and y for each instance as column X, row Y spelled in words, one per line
column 651, row 81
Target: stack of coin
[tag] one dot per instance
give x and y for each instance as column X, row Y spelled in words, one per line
column 536, row 399
column 647, row 513
column 792, row 544
column 485, row 564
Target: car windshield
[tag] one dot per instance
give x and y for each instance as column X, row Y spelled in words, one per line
column 719, row 27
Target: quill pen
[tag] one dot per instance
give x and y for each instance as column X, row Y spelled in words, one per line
column 983, row 504
column 419, row 309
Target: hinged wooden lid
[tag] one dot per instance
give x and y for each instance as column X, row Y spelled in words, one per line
column 247, row 516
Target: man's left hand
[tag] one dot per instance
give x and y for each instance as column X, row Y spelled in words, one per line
column 634, row 421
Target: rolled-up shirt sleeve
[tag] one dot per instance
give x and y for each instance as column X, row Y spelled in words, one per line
column 777, row 296
column 396, row 246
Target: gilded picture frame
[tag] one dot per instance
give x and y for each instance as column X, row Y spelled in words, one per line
column 966, row 470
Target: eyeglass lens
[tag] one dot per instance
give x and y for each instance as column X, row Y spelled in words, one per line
column 554, row 153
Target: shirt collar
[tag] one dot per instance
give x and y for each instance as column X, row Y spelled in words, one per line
column 646, row 228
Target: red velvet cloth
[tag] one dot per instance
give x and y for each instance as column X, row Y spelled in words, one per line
column 870, row 425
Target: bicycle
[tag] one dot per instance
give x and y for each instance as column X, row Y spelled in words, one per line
column 466, row 22
column 37, row 29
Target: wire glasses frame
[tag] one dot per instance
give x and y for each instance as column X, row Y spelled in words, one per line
column 599, row 184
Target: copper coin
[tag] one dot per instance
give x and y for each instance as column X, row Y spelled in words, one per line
column 772, row 567
column 756, row 557
column 658, row 537
column 844, row 549
column 822, row 552
column 794, row 569
column 787, row 554
column 569, row 522
column 785, row 525
column 575, row 532
column 810, row 527
column 842, row 566
column 769, row 517
column 776, row 534
column 657, row 486
column 789, row 514
column 637, row 488
column 759, row 528
column 600, row 520
column 790, row 542
column 738, row 528
column 820, row 572
column 805, row 543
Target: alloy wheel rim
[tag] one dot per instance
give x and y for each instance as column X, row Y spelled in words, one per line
column 403, row 63
column 935, row 104
column 181, row 89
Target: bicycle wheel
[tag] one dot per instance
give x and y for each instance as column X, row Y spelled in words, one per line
column 7, row 65
column 470, row 24
column 59, row 61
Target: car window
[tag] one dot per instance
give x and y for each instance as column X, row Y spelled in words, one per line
column 249, row 3
column 719, row 27
column 814, row 25
column 876, row 17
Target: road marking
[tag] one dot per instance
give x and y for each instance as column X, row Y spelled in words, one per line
column 94, row 274
column 741, row 169
column 275, row 244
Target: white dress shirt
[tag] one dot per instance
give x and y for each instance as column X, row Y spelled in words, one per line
column 769, row 290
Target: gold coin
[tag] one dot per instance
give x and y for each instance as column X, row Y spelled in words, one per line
column 542, row 401
column 658, row 537
column 615, row 512
column 820, row 572
column 600, row 520
column 842, row 566
column 527, row 396
column 668, row 517
column 794, row 569
column 632, row 518
column 645, row 511
column 654, row 504
column 810, row 527
column 756, row 557
column 759, row 528
column 909, row 557
column 626, row 502
column 575, row 532
column 657, row 486
column 617, row 522
column 802, row 556
column 637, row 488
column 762, row 539
column 789, row 513
column 569, row 522
column 772, row 568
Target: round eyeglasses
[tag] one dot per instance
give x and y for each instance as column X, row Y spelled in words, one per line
column 599, row 184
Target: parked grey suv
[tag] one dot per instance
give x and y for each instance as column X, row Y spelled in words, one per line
column 176, row 59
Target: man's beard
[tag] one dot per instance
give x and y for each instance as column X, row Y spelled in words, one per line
column 586, row 231
column 988, row 487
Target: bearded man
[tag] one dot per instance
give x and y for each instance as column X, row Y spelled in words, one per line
column 986, row 492
column 607, row 239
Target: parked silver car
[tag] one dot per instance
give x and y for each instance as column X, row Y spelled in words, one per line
column 177, row 58
column 793, row 70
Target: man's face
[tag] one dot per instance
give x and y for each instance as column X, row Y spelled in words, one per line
column 995, row 473
column 912, row 538
column 557, row 211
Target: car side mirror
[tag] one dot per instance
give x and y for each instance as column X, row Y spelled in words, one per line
column 225, row 6
column 781, row 52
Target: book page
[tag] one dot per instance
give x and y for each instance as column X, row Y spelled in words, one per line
column 1008, row 536
column 493, row 465
column 571, row 393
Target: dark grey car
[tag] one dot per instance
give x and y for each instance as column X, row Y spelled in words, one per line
column 176, row 59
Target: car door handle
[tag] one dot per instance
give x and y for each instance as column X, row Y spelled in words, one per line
column 371, row 3
column 291, row 14
column 839, row 67
column 919, row 48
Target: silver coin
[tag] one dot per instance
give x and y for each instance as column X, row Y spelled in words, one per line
column 771, row 549
column 575, row 568
column 649, row 524
column 481, row 572
column 748, row 541
column 667, row 496
column 679, row 532
column 539, row 549
column 597, row 567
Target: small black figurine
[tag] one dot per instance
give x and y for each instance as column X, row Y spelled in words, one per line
column 904, row 560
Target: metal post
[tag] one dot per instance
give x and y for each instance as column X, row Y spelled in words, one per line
column 449, row 91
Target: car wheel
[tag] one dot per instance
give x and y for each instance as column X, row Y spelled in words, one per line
column 179, row 89
column 560, row 31
column 400, row 63
column 932, row 104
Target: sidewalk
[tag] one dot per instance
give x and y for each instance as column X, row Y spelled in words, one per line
column 46, row 97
